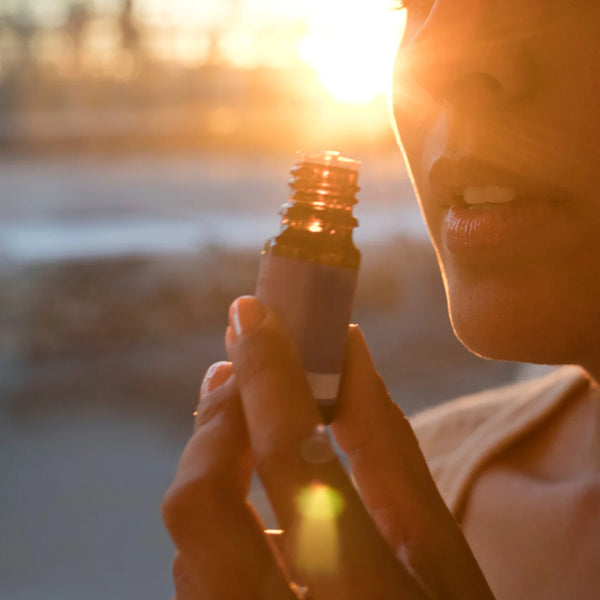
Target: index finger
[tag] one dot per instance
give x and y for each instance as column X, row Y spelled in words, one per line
column 281, row 415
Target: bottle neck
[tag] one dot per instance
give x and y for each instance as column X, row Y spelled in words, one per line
column 321, row 199
column 317, row 220
column 310, row 215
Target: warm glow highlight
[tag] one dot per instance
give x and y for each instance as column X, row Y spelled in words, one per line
column 352, row 46
column 319, row 502
column 349, row 43
column 316, row 226
column 317, row 544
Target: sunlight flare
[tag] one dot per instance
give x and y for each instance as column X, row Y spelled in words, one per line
column 317, row 544
column 351, row 46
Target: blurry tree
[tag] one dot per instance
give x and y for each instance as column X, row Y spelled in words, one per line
column 24, row 28
column 78, row 18
column 218, row 30
column 129, row 28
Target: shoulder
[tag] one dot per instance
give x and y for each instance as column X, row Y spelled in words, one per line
column 441, row 428
column 458, row 437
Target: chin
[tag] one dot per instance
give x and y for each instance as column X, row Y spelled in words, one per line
column 496, row 339
column 519, row 324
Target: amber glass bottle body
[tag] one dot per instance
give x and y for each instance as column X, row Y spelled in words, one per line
column 308, row 270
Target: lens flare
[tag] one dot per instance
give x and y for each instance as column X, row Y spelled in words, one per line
column 320, row 502
column 351, row 46
column 317, row 544
column 316, row 226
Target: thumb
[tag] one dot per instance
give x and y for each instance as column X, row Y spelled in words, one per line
column 395, row 483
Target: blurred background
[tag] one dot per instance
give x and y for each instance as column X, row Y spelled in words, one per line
column 144, row 152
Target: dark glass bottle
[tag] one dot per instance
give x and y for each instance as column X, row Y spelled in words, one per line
column 308, row 270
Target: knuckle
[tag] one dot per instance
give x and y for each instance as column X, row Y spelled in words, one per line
column 220, row 404
column 191, row 505
column 279, row 452
column 178, row 570
column 185, row 585
column 360, row 445
column 178, row 506
column 264, row 351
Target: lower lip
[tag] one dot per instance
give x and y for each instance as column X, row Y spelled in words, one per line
column 499, row 226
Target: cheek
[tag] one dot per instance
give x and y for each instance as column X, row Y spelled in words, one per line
column 413, row 111
column 421, row 140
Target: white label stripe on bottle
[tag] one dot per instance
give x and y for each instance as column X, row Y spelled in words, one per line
column 324, row 386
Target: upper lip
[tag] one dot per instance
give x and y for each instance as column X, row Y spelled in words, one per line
column 449, row 176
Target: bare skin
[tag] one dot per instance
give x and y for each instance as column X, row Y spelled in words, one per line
column 492, row 100
column 505, row 94
column 396, row 539
column 509, row 93
column 533, row 516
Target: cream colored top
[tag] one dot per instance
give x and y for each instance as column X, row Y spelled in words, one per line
column 461, row 437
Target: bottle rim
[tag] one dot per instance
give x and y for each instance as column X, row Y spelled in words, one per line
column 330, row 158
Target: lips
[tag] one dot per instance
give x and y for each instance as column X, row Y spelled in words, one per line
column 492, row 225
column 488, row 212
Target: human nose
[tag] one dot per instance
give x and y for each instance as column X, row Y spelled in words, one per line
column 471, row 55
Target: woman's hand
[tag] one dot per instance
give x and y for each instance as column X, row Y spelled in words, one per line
column 391, row 538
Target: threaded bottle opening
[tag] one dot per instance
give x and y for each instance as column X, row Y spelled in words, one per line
column 325, row 179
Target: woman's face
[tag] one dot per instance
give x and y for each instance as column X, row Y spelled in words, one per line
column 497, row 107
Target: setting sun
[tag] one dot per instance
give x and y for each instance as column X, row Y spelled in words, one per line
column 351, row 46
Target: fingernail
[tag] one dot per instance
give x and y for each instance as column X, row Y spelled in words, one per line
column 245, row 315
column 216, row 375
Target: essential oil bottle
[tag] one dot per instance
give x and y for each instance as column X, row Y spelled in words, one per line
column 308, row 271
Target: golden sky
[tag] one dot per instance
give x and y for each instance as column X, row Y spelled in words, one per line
column 349, row 43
